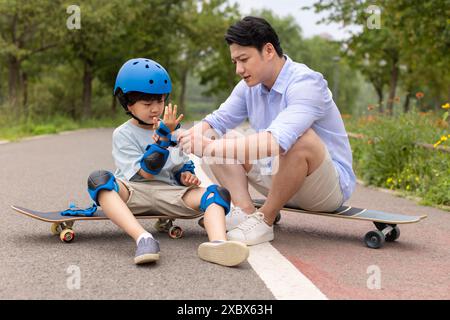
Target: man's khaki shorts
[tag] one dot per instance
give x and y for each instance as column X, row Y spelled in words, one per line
column 159, row 198
column 320, row 191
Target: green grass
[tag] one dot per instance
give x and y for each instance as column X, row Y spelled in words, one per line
column 15, row 132
column 388, row 157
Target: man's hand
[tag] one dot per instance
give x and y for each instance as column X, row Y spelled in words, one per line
column 188, row 179
column 193, row 142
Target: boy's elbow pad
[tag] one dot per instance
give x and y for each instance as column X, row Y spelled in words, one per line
column 154, row 159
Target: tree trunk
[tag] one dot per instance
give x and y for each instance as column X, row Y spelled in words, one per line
column 24, row 86
column 392, row 87
column 87, row 89
column 13, row 83
column 114, row 105
column 182, row 102
column 379, row 91
column 406, row 103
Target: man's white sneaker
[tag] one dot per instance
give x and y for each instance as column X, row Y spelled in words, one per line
column 254, row 230
column 235, row 217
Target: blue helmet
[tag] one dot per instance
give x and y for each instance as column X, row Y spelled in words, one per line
column 143, row 75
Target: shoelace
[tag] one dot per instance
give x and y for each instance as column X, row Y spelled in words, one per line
column 236, row 211
column 251, row 223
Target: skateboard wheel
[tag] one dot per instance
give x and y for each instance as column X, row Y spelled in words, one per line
column 277, row 218
column 201, row 222
column 175, row 232
column 163, row 225
column 393, row 235
column 67, row 235
column 374, row 239
column 55, row 229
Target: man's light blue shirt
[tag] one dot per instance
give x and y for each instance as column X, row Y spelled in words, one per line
column 299, row 100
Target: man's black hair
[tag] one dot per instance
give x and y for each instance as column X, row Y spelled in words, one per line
column 253, row 32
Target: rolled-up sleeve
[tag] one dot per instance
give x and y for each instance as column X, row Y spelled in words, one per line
column 232, row 112
column 307, row 101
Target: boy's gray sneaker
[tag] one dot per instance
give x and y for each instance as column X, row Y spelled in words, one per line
column 147, row 251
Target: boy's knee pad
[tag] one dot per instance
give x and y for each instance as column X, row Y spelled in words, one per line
column 101, row 180
column 154, row 159
column 221, row 196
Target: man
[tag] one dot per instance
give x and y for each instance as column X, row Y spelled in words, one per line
column 298, row 128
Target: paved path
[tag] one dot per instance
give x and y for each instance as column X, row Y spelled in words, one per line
column 323, row 255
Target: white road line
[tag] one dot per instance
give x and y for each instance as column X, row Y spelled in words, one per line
column 280, row 276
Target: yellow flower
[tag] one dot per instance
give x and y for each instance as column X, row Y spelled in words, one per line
column 446, row 106
column 443, row 138
column 437, row 143
column 389, row 180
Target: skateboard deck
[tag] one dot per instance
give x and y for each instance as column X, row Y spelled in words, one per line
column 385, row 222
column 63, row 225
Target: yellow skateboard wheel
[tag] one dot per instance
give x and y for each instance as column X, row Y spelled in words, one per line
column 67, row 235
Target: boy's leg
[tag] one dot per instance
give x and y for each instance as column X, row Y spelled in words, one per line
column 214, row 218
column 218, row 249
column 115, row 208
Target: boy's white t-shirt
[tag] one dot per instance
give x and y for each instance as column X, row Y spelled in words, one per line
column 129, row 144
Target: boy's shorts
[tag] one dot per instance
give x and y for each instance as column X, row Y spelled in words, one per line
column 159, row 198
column 320, row 190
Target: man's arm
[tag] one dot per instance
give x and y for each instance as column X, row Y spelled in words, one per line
column 246, row 149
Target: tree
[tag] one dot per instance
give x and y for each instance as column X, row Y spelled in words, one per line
column 26, row 29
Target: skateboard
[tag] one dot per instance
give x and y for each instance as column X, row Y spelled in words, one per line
column 385, row 222
column 63, row 225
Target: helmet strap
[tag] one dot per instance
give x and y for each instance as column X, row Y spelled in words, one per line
column 139, row 120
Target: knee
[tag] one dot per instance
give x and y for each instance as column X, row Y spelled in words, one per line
column 307, row 144
column 101, row 180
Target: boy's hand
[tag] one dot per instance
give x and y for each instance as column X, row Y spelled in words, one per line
column 170, row 117
column 188, row 179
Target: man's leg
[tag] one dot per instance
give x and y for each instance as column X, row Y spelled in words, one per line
column 304, row 157
column 234, row 178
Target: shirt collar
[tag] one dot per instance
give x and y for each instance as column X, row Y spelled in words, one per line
column 281, row 81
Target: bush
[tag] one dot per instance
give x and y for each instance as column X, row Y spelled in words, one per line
column 388, row 156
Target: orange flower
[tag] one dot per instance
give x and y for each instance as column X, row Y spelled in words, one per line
column 420, row 95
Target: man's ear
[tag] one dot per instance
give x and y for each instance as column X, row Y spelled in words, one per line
column 269, row 51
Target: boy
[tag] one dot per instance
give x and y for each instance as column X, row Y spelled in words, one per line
column 157, row 177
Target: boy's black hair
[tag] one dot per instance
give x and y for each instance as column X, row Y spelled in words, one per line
column 253, row 32
column 134, row 96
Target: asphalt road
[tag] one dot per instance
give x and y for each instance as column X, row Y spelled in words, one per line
column 49, row 172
